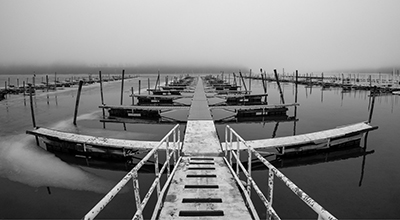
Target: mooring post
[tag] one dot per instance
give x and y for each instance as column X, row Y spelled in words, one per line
column 47, row 82
column 23, row 84
column 370, row 82
column 139, row 86
column 371, row 110
column 122, row 87
column 250, row 80
column 297, row 77
column 31, row 102
column 279, row 87
column 133, row 98
column 32, row 111
column 242, row 79
column 77, row 101
column 102, row 98
column 148, row 85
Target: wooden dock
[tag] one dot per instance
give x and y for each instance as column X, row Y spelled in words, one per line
column 203, row 186
column 203, row 183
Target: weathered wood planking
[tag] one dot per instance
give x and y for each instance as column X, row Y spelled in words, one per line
column 251, row 107
column 315, row 138
column 92, row 140
column 140, row 107
column 201, row 139
column 223, row 186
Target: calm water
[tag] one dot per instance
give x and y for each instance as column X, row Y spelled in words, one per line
column 37, row 184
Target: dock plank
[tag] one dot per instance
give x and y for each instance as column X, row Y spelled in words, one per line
column 232, row 205
column 92, row 140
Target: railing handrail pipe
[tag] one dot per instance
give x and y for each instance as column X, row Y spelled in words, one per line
column 322, row 213
column 111, row 194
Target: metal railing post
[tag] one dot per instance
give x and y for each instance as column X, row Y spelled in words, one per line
column 270, row 192
column 167, row 152
column 230, row 146
column 179, row 140
column 226, row 140
column 157, row 172
column 237, row 155
column 249, row 171
column 174, row 145
column 137, row 192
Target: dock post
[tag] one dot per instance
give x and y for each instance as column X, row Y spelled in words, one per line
column 31, row 102
column 250, row 80
column 279, row 86
column 33, row 112
column 370, row 82
column 244, row 84
column 371, row 110
column 122, row 87
column 102, row 98
column 296, row 88
column 148, row 86
column 47, row 82
column 139, row 86
column 77, row 101
column 133, row 98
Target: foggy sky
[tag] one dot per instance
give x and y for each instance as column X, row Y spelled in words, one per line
column 309, row 35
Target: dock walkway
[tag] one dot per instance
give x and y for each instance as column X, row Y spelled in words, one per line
column 203, row 185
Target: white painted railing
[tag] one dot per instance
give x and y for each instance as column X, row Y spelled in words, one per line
column 133, row 174
column 231, row 139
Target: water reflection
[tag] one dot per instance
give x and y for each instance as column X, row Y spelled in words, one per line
column 21, row 161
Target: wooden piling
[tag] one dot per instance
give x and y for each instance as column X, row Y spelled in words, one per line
column 23, row 83
column 296, row 82
column 279, row 86
column 148, row 85
column 139, row 86
column 31, row 102
column 122, row 87
column 250, row 80
column 102, row 98
column 371, row 110
column 242, row 79
column 47, row 82
column 77, row 101
column 133, row 98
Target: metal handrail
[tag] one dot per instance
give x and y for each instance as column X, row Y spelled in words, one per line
column 133, row 174
column 229, row 133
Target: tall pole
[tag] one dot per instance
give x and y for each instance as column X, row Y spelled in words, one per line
column 31, row 102
column 32, row 111
column 78, row 97
column 279, row 86
column 371, row 110
column 250, row 80
column 102, row 98
column 148, row 85
column 122, row 87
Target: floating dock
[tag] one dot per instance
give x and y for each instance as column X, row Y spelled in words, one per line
column 204, row 182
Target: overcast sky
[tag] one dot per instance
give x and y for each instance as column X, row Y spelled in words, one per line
column 309, row 35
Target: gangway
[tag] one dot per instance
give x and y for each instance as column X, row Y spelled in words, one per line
column 203, row 183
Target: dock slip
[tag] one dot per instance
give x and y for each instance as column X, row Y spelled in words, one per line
column 204, row 182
